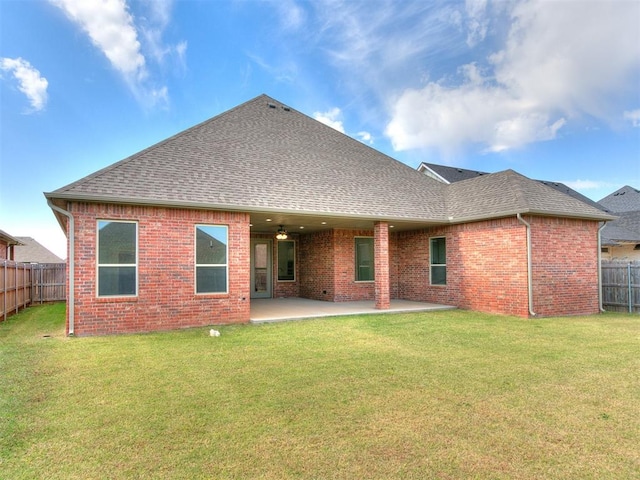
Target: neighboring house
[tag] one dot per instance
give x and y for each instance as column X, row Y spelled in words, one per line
column 188, row 231
column 7, row 246
column 30, row 251
column 621, row 237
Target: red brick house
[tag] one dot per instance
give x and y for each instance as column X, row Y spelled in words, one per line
column 184, row 233
column 8, row 245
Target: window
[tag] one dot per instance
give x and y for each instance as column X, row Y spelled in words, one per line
column 211, row 259
column 286, row 261
column 364, row 259
column 117, row 258
column 438, row 256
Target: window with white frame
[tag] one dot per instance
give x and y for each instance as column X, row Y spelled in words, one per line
column 117, row 258
column 438, row 260
column 212, row 259
column 364, row 259
column 286, row 261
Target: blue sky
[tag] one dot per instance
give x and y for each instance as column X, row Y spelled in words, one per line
column 551, row 89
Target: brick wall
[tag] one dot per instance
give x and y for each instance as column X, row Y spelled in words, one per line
column 166, row 296
column 565, row 266
column 327, row 266
column 487, row 266
column 317, row 266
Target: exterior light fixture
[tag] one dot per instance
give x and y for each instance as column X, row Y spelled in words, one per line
column 282, row 233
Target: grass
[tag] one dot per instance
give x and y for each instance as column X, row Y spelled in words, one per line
column 424, row 395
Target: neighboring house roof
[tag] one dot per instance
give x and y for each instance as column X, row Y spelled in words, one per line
column 8, row 239
column 625, row 203
column 625, row 199
column 448, row 174
column 265, row 157
column 30, row 251
column 454, row 174
column 625, row 229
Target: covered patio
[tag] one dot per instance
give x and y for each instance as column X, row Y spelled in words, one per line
column 294, row 308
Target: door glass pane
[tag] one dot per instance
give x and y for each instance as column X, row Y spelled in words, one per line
column 260, row 280
column 260, row 270
column 260, row 257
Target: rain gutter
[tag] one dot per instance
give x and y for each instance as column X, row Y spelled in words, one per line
column 71, row 296
column 529, row 270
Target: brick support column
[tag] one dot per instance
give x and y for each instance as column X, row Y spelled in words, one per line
column 381, row 262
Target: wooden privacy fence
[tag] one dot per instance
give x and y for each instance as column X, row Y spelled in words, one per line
column 621, row 286
column 22, row 284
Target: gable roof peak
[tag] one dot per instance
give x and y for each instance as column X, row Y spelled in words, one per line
column 625, row 199
column 263, row 155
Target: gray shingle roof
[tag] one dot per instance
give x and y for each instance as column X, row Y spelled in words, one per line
column 33, row 252
column 264, row 157
column 626, row 199
column 507, row 193
column 455, row 174
column 625, row 229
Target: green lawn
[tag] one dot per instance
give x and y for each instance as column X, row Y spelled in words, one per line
column 423, row 395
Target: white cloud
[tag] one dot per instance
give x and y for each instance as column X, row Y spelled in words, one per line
column 633, row 116
column 586, row 184
column 113, row 30
column 330, row 118
column 152, row 27
column 30, row 81
column 110, row 27
column 292, row 16
column 477, row 22
column 365, row 137
column 377, row 44
column 282, row 71
column 560, row 61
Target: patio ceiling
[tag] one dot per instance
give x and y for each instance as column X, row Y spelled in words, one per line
column 262, row 222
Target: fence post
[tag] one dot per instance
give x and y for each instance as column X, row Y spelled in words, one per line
column 15, row 278
column 629, row 287
column 4, row 296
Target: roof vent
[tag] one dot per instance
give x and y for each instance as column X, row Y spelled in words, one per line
column 286, row 109
column 271, row 105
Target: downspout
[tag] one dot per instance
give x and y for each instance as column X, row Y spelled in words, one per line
column 602, row 310
column 529, row 270
column 72, row 264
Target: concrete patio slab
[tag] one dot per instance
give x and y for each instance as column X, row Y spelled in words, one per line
column 283, row 309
